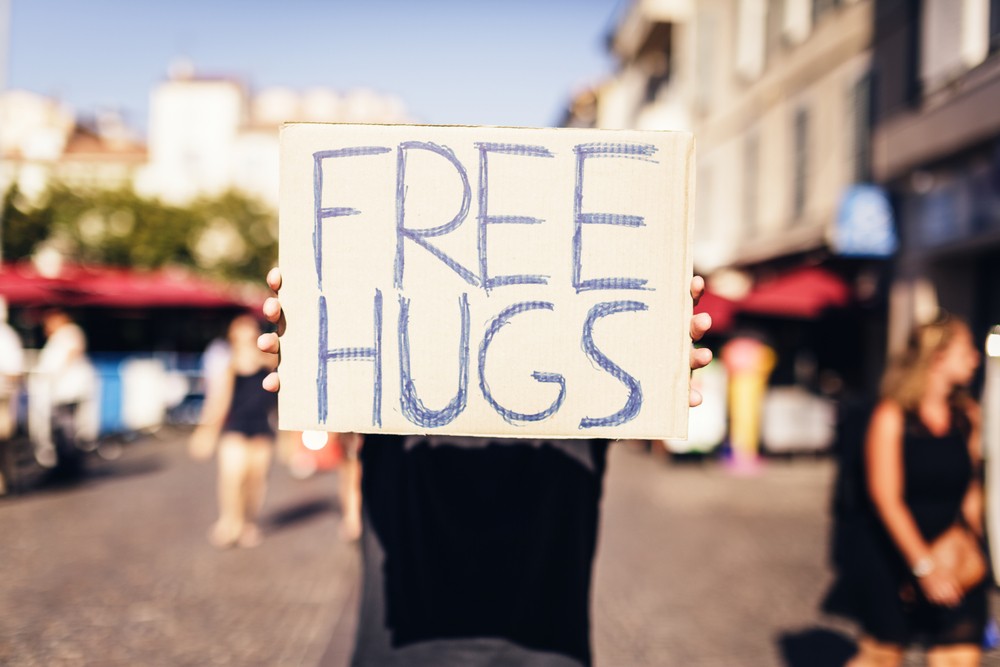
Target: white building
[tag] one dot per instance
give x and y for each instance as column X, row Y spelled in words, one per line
column 34, row 131
column 207, row 135
column 193, row 128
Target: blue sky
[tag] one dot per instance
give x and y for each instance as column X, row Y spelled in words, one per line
column 485, row 62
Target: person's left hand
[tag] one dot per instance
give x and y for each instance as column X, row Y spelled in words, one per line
column 270, row 342
column 700, row 324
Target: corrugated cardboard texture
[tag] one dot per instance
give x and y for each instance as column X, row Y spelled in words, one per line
column 485, row 281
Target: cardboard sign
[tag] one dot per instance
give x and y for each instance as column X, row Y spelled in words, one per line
column 485, row 281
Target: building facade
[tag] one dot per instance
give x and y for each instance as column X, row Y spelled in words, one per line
column 778, row 94
column 936, row 148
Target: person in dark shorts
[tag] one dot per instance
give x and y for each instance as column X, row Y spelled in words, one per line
column 477, row 551
column 239, row 416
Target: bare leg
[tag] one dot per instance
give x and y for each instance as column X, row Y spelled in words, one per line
column 875, row 654
column 960, row 655
column 350, row 487
column 232, row 470
column 259, row 453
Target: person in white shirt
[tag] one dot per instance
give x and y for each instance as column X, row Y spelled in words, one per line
column 11, row 368
column 71, row 381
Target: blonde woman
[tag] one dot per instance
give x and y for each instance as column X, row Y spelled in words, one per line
column 239, row 415
column 922, row 458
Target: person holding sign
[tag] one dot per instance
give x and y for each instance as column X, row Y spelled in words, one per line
column 478, row 550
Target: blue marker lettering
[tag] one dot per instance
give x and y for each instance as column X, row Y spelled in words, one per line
column 494, row 327
column 642, row 152
column 319, row 211
column 486, row 219
column 410, row 404
column 326, row 355
column 420, row 236
column 634, row 402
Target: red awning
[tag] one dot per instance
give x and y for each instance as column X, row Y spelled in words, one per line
column 80, row 286
column 20, row 290
column 801, row 293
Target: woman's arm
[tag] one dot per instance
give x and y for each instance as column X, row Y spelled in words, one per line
column 972, row 504
column 884, row 458
column 213, row 416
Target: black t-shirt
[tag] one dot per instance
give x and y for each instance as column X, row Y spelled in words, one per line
column 478, row 552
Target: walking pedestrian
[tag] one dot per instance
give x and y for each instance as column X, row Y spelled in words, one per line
column 216, row 361
column 916, row 572
column 239, row 417
column 477, row 551
column 70, row 382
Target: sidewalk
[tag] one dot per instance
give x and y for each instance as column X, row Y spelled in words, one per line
column 118, row 571
column 695, row 568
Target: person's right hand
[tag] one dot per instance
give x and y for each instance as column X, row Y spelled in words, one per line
column 269, row 342
column 941, row 588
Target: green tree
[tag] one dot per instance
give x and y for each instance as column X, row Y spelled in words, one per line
column 230, row 236
column 22, row 226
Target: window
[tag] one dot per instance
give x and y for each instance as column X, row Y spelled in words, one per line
column 941, row 46
column 801, row 163
column 994, row 25
column 657, row 66
column 656, row 57
column 750, row 38
column 797, row 20
column 861, row 101
column 705, row 61
column 774, row 39
column 704, row 210
column 820, row 7
column 751, row 183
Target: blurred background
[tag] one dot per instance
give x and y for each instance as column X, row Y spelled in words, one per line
column 848, row 185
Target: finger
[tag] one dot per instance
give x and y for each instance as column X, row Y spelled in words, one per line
column 700, row 357
column 694, row 398
column 274, row 279
column 271, row 309
column 700, row 324
column 274, row 313
column 697, row 288
column 946, row 596
column 271, row 382
column 269, row 342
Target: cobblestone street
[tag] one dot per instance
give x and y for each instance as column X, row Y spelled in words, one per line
column 695, row 568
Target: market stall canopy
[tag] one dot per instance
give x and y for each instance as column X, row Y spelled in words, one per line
column 112, row 287
column 801, row 293
column 19, row 289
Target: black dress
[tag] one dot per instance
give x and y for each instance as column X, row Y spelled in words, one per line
column 937, row 471
column 252, row 407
